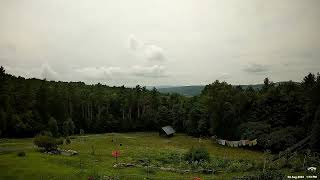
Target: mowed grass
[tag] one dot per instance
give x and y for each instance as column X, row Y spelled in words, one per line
column 95, row 157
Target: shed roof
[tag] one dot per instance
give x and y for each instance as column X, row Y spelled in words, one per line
column 168, row 130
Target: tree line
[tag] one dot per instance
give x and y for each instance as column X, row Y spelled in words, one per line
column 278, row 114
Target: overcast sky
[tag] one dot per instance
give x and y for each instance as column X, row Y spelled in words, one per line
column 160, row 42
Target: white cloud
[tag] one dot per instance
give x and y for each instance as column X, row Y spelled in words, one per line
column 149, row 71
column 99, row 73
column 224, row 76
column 45, row 71
column 17, row 71
column 154, row 53
column 256, row 68
column 150, row 52
column 133, row 43
column 96, row 74
column 48, row 73
column 210, row 37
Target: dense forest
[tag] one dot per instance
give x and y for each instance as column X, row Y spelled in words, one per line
column 278, row 115
column 196, row 90
column 183, row 90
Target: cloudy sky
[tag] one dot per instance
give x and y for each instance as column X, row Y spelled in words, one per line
column 160, row 42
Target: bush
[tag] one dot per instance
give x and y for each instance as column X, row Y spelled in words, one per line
column 81, row 132
column 68, row 140
column 68, row 127
column 239, row 166
column 60, row 141
column 283, row 138
column 47, row 143
column 21, row 154
column 275, row 175
column 197, row 154
column 168, row 158
column 53, row 126
column 45, row 133
column 218, row 163
column 296, row 163
column 234, row 166
column 256, row 130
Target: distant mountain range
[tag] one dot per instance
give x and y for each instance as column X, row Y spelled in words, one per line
column 192, row 90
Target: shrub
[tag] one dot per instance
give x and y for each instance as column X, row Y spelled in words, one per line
column 270, row 175
column 21, row 154
column 239, row 166
column 53, row 126
column 168, row 158
column 283, row 138
column 234, row 166
column 68, row 127
column 200, row 165
column 311, row 158
column 296, row 163
column 218, row 163
column 275, row 175
column 45, row 133
column 256, row 130
column 68, row 140
column 197, row 154
column 81, row 132
column 48, row 143
column 60, row 141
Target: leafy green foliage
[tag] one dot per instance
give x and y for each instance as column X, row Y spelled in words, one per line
column 183, row 90
column 45, row 133
column 140, row 146
column 60, row 141
column 53, row 126
column 46, row 142
column 68, row 140
column 284, row 138
column 197, row 154
column 168, row 158
column 315, row 136
column 68, row 127
column 275, row 113
column 81, row 132
column 21, row 154
column 266, row 175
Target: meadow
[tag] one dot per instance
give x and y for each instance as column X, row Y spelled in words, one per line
column 149, row 157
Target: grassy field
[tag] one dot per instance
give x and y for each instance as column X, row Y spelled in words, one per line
column 94, row 158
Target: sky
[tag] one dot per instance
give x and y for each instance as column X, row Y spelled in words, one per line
column 160, row 42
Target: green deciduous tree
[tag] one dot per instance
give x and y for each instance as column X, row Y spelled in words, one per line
column 315, row 135
column 53, row 126
column 68, row 127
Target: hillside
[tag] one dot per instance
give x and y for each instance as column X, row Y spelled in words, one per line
column 31, row 106
column 95, row 160
column 196, row 90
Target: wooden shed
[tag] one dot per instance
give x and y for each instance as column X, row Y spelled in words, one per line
column 167, row 131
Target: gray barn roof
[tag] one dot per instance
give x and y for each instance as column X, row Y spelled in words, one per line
column 168, row 130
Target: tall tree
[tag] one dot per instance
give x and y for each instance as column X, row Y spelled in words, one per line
column 53, row 126
column 68, row 127
column 315, row 135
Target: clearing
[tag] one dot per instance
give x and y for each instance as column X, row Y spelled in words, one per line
column 151, row 157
